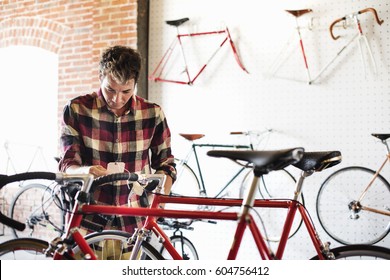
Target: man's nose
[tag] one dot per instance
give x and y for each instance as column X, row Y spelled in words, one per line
column 115, row 97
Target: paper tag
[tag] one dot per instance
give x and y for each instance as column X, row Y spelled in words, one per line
column 116, row 167
column 137, row 188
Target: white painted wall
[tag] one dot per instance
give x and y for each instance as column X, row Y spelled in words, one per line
column 337, row 112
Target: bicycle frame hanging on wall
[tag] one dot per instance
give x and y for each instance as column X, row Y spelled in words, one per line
column 160, row 73
column 347, row 21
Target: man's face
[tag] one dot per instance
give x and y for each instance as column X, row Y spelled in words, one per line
column 117, row 95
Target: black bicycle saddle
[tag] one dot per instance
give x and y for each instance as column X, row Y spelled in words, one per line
column 177, row 22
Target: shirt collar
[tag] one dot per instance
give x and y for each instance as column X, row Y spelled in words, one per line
column 102, row 105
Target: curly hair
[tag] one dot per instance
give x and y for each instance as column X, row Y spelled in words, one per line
column 121, row 62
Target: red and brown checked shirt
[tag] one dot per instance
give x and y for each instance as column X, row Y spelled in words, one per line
column 93, row 135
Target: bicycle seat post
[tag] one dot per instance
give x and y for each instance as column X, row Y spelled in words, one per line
column 299, row 184
column 387, row 146
column 248, row 201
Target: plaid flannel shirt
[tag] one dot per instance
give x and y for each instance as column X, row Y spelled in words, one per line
column 93, row 135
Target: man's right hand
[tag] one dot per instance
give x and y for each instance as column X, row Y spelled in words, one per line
column 95, row 170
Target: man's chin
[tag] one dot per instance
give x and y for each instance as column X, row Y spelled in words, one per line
column 116, row 107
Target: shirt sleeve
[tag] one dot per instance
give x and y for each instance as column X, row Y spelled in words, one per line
column 161, row 153
column 71, row 148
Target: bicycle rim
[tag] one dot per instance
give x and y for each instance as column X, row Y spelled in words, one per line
column 36, row 206
column 24, row 249
column 184, row 246
column 186, row 184
column 114, row 245
column 360, row 252
column 336, row 195
column 275, row 185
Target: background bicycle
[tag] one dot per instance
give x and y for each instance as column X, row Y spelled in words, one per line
column 350, row 21
column 195, row 172
column 353, row 203
column 43, row 208
column 30, row 201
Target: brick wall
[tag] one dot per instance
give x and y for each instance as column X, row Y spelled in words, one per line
column 75, row 30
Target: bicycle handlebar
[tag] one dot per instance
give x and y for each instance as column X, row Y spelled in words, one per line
column 151, row 180
column 7, row 179
column 372, row 10
column 115, row 177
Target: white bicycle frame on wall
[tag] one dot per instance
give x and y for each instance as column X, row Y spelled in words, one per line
column 348, row 20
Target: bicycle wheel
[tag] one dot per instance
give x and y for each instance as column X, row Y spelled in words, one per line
column 114, row 245
column 40, row 209
column 24, row 249
column 186, row 184
column 347, row 224
column 278, row 184
column 184, row 246
column 360, row 252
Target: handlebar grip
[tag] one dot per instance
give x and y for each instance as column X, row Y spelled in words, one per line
column 374, row 12
column 332, row 25
column 11, row 222
column 115, row 177
column 6, row 179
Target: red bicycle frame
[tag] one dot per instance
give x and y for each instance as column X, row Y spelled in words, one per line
column 244, row 221
column 157, row 74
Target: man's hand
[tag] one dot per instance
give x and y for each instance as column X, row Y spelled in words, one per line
column 95, row 170
column 98, row 170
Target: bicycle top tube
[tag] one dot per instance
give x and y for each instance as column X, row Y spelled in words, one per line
column 250, row 145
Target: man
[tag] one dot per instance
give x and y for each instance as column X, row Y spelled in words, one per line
column 115, row 127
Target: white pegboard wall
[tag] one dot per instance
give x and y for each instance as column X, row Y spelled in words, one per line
column 338, row 112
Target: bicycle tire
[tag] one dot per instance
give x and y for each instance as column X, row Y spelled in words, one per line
column 24, row 249
column 44, row 215
column 184, row 246
column 333, row 200
column 278, row 184
column 106, row 243
column 360, row 252
column 186, row 184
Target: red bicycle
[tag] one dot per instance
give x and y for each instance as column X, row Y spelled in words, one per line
column 145, row 243
column 162, row 72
